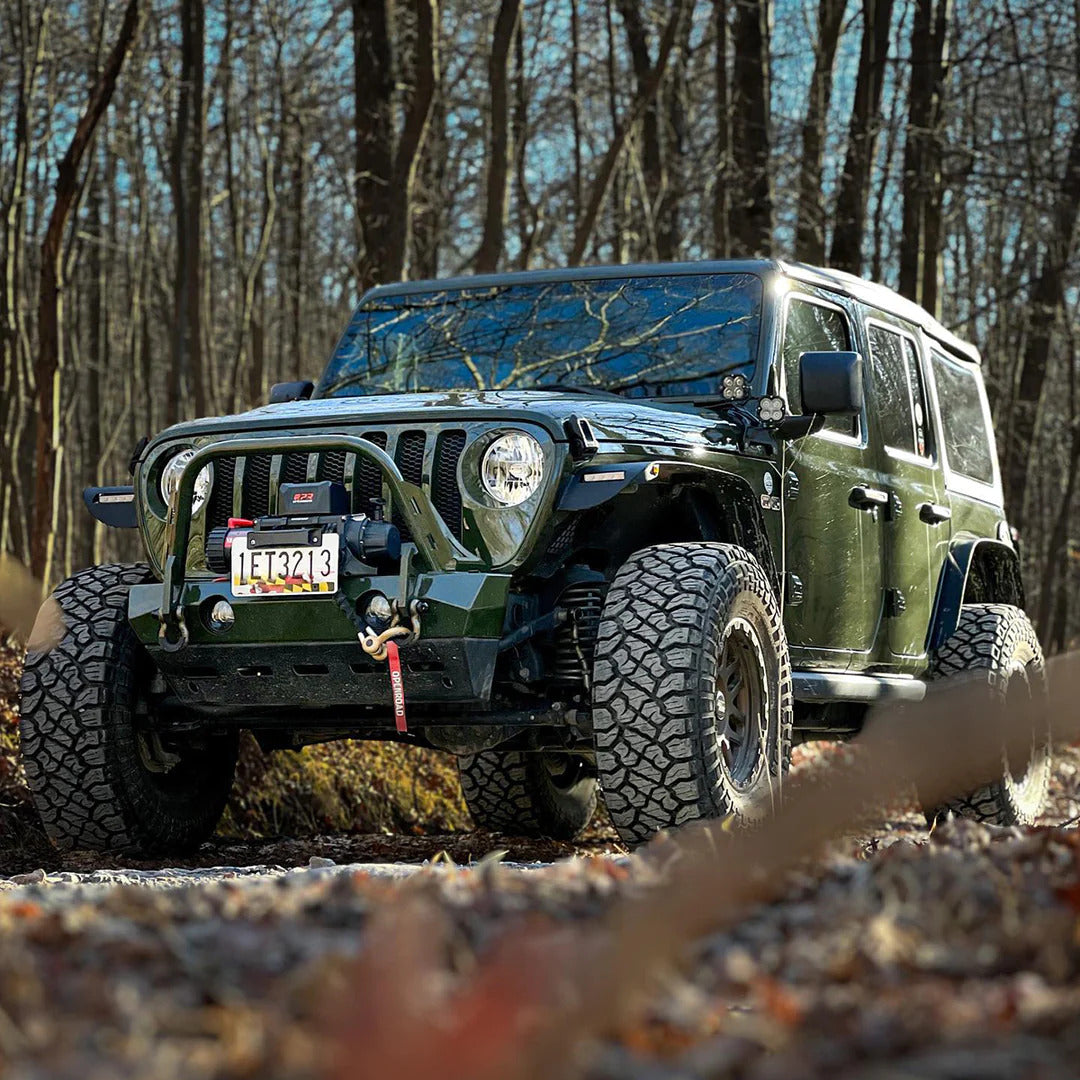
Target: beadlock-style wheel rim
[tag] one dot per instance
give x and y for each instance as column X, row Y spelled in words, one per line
column 741, row 703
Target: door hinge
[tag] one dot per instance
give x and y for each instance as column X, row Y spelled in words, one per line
column 793, row 590
column 895, row 604
column 895, row 507
column 791, row 485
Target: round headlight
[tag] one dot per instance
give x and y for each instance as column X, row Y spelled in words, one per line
column 170, row 479
column 512, row 468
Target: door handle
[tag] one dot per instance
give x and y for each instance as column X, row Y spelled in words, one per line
column 933, row 513
column 867, row 498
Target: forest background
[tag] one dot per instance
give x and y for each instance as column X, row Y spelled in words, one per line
column 193, row 194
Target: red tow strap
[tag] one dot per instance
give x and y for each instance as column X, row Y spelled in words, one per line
column 397, row 685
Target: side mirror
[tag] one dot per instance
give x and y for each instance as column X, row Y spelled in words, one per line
column 291, row 391
column 832, row 382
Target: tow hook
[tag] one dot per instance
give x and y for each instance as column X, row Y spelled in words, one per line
column 383, row 645
column 173, row 632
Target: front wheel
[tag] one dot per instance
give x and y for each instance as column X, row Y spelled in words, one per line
column 692, row 704
column 101, row 774
column 999, row 641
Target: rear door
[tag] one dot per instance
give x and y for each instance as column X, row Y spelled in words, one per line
column 916, row 521
column 832, row 550
column 969, row 456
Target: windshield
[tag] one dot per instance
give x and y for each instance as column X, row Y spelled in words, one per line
column 641, row 337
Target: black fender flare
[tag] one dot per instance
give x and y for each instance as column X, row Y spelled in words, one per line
column 717, row 497
column 997, row 567
column 112, row 506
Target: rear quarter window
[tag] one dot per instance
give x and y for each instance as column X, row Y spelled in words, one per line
column 964, row 418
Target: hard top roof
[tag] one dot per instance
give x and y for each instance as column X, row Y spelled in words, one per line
column 868, row 292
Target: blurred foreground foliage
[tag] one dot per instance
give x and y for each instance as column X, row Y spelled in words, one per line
column 336, row 787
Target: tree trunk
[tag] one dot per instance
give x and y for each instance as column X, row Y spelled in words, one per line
column 1045, row 306
column 652, row 158
column 922, row 189
column 669, row 209
column 48, row 449
column 528, row 215
column 854, row 193
column 498, row 170
column 721, row 204
column 386, row 162
column 751, row 211
column 188, row 198
column 373, row 69
column 810, row 230
column 15, row 388
column 602, row 181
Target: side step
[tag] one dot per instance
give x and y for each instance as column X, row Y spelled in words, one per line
column 817, row 687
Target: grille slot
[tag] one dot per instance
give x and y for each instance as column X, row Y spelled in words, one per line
column 294, row 468
column 409, row 455
column 220, row 508
column 445, row 493
column 255, row 501
column 367, row 477
column 332, row 466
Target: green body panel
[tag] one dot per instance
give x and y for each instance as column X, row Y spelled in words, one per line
column 860, row 588
column 459, row 605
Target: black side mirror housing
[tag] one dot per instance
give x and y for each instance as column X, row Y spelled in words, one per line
column 832, row 382
column 300, row 390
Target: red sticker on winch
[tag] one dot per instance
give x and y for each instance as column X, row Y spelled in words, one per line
column 397, row 685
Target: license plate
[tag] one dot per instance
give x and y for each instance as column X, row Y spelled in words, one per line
column 285, row 571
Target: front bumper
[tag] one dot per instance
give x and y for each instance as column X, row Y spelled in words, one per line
column 302, row 652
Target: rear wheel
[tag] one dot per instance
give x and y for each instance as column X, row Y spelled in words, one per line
column 692, row 703
column 529, row 793
column 999, row 640
column 101, row 774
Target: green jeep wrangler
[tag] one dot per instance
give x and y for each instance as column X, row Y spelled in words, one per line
column 619, row 529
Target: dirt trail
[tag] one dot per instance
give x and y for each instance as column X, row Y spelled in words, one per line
column 949, row 955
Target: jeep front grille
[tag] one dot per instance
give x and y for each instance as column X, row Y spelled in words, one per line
column 263, row 473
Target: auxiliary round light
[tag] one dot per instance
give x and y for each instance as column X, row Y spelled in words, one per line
column 512, row 468
column 170, row 479
column 222, row 616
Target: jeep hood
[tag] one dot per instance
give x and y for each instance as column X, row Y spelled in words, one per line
column 629, row 420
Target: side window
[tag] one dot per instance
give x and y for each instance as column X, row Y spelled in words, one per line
column 919, row 409
column 812, row 327
column 963, row 419
column 899, row 393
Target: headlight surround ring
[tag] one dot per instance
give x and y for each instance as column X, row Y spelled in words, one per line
column 174, row 469
column 512, row 468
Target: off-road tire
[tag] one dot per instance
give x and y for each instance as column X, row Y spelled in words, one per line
column 666, row 618
column 998, row 639
column 88, row 777
column 513, row 791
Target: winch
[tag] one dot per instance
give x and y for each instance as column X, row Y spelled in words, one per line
column 306, row 514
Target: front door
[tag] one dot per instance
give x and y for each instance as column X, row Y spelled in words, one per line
column 916, row 529
column 832, row 549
